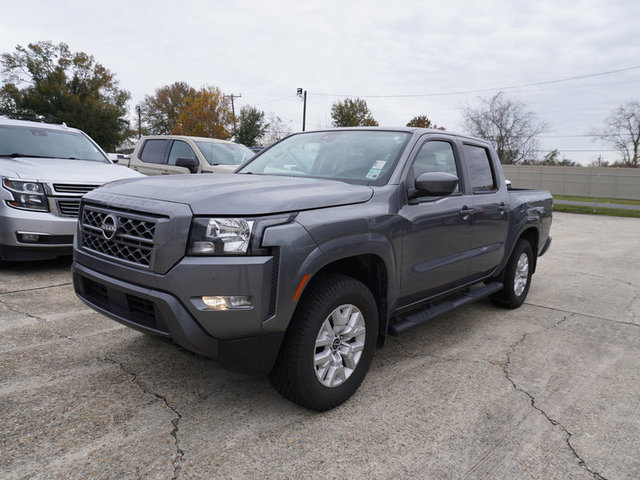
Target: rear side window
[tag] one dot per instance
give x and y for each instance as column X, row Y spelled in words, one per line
column 154, row 151
column 481, row 172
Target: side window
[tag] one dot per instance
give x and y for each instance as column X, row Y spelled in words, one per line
column 435, row 156
column 154, row 151
column 180, row 149
column 481, row 172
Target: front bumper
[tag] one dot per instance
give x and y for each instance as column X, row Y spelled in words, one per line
column 235, row 338
column 55, row 234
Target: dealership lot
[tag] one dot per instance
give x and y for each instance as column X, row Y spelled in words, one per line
column 550, row 390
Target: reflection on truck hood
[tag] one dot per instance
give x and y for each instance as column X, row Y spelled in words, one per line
column 67, row 171
column 217, row 194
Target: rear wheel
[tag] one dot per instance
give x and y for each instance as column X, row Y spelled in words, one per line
column 329, row 345
column 517, row 277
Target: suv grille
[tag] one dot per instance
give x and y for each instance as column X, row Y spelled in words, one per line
column 69, row 208
column 132, row 241
column 71, row 188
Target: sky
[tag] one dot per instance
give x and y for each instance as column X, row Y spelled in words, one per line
column 571, row 63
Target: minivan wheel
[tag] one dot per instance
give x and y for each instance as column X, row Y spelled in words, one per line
column 517, row 277
column 329, row 345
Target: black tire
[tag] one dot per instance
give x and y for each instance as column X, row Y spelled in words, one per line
column 295, row 375
column 515, row 291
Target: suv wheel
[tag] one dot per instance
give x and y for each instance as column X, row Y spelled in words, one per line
column 329, row 345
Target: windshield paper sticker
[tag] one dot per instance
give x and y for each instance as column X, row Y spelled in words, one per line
column 378, row 165
column 373, row 174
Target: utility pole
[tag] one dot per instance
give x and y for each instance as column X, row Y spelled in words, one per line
column 303, row 95
column 139, row 110
column 233, row 112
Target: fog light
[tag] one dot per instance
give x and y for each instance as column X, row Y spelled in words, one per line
column 236, row 302
column 29, row 237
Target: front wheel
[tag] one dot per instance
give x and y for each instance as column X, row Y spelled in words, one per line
column 329, row 345
column 517, row 277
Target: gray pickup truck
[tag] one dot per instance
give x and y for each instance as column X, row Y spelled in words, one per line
column 301, row 263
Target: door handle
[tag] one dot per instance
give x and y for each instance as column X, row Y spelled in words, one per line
column 503, row 208
column 466, row 211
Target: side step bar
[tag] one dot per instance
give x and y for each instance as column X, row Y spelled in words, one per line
column 411, row 321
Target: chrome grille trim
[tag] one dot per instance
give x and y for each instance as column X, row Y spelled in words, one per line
column 79, row 189
column 68, row 207
column 133, row 242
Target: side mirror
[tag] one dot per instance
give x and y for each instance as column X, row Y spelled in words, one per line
column 435, row 184
column 190, row 163
column 508, row 182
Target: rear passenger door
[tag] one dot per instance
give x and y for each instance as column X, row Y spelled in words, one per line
column 491, row 209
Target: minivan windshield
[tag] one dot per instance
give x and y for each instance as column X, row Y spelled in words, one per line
column 42, row 142
column 354, row 156
column 224, row 153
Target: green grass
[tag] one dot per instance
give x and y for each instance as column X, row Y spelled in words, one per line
column 616, row 212
column 600, row 200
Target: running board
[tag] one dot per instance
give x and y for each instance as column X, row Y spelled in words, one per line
column 411, row 321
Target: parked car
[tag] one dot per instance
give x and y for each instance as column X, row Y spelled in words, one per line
column 256, row 149
column 170, row 154
column 44, row 171
column 302, row 262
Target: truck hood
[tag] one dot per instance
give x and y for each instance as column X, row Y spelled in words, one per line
column 59, row 170
column 241, row 194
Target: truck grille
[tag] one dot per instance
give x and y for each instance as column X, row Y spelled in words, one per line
column 132, row 241
column 69, row 208
column 72, row 188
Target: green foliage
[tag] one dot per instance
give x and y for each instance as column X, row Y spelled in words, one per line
column 352, row 113
column 51, row 83
column 422, row 121
column 252, row 126
column 160, row 111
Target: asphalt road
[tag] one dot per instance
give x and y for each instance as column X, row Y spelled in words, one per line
column 548, row 391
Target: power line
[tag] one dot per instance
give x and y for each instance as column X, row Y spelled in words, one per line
column 483, row 90
column 276, row 100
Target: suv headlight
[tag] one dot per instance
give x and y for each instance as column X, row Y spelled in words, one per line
column 26, row 195
column 231, row 236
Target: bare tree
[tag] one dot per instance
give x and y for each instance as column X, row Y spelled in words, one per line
column 622, row 131
column 277, row 130
column 508, row 125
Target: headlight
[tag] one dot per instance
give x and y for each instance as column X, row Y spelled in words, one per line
column 232, row 236
column 26, row 195
column 220, row 236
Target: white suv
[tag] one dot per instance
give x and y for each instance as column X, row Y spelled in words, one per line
column 44, row 171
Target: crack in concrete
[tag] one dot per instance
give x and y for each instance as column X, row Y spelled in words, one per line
column 595, row 317
column 179, row 456
column 177, row 464
column 36, row 288
column 532, row 400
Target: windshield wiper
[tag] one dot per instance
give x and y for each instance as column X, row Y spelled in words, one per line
column 24, row 155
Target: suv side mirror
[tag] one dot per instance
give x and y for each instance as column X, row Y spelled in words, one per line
column 435, row 184
column 508, row 182
column 190, row 163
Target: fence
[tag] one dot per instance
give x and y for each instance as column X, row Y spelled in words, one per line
column 597, row 182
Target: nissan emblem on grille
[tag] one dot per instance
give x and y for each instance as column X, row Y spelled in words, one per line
column 109, row 226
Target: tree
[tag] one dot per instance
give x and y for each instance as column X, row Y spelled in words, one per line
column 206, row 114
column 252, row 126
column 507, row 125
column 277, row 130
column 49, row 82
column 422, row 121
column 553, row 159
column 160, row 111
column 352, row 113
column 622, row 131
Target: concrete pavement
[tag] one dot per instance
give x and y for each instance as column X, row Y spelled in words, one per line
column 550, row 390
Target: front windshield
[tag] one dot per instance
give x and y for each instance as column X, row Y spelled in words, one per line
column 28, row 141
column 356, row 156
column 224, row 153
